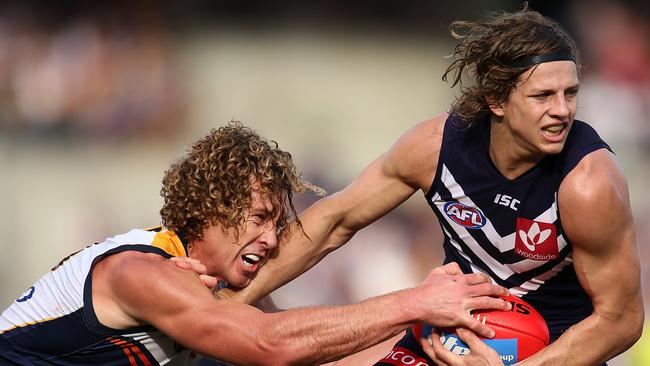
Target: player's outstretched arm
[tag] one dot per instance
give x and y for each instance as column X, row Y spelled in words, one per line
column 596, row 217
column 146, row 289
column 383, row 185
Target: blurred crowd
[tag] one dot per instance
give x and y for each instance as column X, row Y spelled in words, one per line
column 110, row 79
column 102, row 79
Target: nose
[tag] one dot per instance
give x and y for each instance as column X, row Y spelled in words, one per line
column 269, row 237
column 560, row 106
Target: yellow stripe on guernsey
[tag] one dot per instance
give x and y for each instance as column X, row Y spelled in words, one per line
column 168, row 241
column 28, row 323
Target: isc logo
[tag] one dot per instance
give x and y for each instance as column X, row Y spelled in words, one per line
column 508, row 201
column 469, row 217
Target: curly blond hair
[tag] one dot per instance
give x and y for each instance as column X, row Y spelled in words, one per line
column 486, row 50
column 213, row 183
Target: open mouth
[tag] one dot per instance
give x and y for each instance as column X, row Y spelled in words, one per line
column 250, row 260
column 553, row 131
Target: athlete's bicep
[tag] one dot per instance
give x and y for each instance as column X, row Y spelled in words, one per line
column 154, row 291
column 596, row 216
column 391, row 179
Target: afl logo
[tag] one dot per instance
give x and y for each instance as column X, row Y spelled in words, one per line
column 463, row 215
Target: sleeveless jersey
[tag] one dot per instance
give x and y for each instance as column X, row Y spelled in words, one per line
column 54, row 323
column 508, row 229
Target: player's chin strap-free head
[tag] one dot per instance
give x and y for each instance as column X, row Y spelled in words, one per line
column 528, row 61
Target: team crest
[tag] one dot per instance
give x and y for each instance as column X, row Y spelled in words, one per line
column 536, row 240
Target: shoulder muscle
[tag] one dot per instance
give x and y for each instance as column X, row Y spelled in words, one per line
column 414, row 156
column 594, row 201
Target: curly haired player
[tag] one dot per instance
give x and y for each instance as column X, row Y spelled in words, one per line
column 120, row 302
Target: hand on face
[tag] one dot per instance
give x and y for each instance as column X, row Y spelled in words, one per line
column 197, row 267
column 449, row 296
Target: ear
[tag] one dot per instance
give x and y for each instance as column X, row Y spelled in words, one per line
column 496, row 108
column 190, row 246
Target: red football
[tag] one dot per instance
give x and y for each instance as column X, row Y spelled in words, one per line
column 520, row 332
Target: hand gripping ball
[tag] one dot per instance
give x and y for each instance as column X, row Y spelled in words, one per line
column 519, row 333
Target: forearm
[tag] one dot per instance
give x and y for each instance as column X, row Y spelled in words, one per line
column 327, row 334
column 315, row 336
column 594, row 340
column 243, row 335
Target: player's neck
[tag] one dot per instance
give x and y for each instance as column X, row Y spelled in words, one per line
column 507, row 153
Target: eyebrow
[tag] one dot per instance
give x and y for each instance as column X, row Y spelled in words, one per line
column 547, row 90
column 261, row 209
